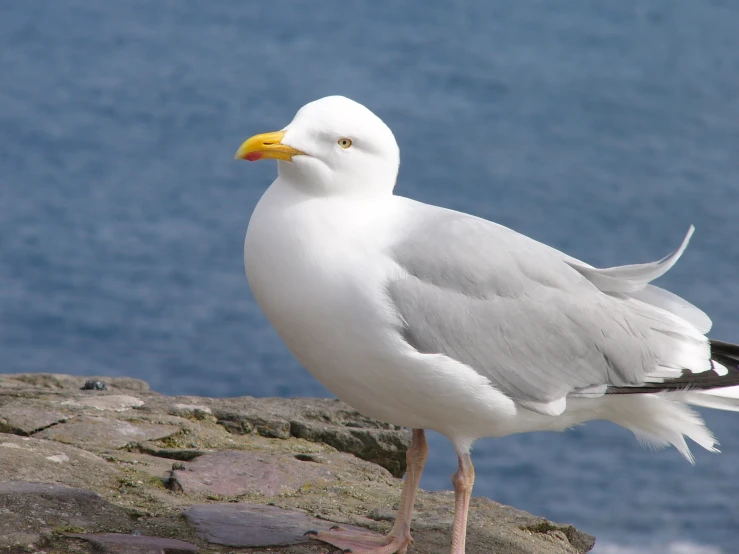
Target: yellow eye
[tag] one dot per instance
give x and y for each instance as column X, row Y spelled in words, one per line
column 345, row 143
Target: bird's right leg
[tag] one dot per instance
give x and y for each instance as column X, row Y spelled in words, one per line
column 463, row 480
column 399, row 537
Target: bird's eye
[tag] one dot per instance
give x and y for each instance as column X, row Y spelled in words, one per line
column 345, row 143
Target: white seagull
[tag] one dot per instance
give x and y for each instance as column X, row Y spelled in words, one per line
column 430, row 318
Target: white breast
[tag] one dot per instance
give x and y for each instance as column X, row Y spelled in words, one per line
column 297, row 254
column 318, row 269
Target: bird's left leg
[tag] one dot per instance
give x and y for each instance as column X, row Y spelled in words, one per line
column 463, row 480
column 399, row 537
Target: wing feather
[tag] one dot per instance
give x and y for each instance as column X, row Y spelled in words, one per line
column 537, row 323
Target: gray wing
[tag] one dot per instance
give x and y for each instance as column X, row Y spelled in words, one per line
column 529, row 318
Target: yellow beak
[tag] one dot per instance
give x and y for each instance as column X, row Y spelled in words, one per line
column 267, row 145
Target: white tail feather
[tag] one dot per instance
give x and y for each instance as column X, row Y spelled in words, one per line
column 660, row 420
column 726, row 398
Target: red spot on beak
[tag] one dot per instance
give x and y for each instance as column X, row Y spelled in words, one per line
column 253, row 156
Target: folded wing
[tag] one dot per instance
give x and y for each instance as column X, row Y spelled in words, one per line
column 541, row 326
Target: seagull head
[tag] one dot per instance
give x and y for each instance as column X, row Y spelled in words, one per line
column 332, row 146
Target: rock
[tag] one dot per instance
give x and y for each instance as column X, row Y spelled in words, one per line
column 57, row 381
column 190, row 410
column 240, row 423
column 381, row 446
column 22, row 420
column 239, row 472
column 328, row 421
column 182, row 454
column 493, row 527
column 123, row 451
column 252, row 525
column 101, row 432
column 115, row 402
column 33, row 511
column 92, row 384
column 117, row 543
column 33, row 459
column 134, row 467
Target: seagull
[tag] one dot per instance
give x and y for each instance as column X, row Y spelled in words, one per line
column 429, row 318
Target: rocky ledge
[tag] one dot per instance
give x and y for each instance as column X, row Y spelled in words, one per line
column 107, row 465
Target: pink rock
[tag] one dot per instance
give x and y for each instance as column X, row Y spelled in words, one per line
column 253, row 525
column 118, row 543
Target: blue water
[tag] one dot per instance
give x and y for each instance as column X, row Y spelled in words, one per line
column 602, row 128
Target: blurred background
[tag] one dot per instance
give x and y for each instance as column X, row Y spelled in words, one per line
column 602, row 128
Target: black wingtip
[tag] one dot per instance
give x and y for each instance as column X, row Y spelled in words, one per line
column 724, row 353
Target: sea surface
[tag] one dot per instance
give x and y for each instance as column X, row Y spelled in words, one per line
column 602, row 128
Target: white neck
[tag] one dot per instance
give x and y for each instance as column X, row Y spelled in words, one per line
column 315, row 179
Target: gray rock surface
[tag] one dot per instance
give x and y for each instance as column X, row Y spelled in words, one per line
column 115, row 402
column 319, row 420
column 20, row 420
column 105, row 432
column 44, row 461
column 33, row 511
column 240, row 472
column 128, row 470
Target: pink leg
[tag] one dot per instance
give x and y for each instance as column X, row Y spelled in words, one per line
column 415, row 460
column 399, row 538
column 463, row 480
